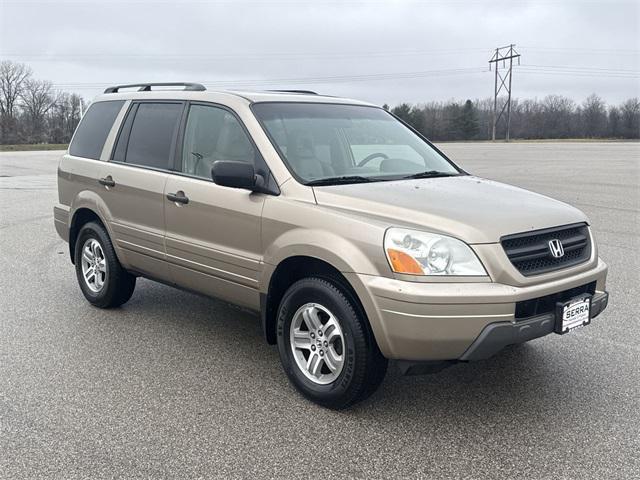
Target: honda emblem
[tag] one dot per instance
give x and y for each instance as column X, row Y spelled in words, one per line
column 556, row 248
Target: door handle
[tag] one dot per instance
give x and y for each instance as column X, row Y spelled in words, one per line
column 107, row 181
column 178, row 197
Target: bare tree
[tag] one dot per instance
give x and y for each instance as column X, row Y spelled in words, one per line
column 594, row 116
column 485, row 106
column 557, row 116
column 64, row 116
column 12, row 79
column 631, row 118
column 613, row 122
column 432, row 120
column 37, row 98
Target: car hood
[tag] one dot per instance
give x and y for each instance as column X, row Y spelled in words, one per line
column 473, row 209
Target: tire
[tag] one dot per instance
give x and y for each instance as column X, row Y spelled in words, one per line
column 110, row 285
column 351, row 366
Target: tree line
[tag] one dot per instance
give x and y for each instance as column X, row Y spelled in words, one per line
column 555, row 116
column 32, row 111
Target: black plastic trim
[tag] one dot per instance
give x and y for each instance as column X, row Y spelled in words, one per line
column 495, row 336
column 521, row 257
column 410, row 367
column 146, row 87
column 546, row 304
column 269, row 336
column 300, row 92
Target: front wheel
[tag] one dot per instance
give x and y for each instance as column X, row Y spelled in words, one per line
column 325, row 345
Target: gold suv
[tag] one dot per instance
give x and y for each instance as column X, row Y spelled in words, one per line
column 355, row 238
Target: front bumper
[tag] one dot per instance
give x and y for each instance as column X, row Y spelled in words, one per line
column 495, row 336
column 459, row 321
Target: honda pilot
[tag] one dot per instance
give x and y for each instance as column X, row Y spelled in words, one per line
column 355, row 238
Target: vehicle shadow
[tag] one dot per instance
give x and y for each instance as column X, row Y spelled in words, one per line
column 519, row 378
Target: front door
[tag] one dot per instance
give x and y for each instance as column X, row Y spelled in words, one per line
column 213, row 242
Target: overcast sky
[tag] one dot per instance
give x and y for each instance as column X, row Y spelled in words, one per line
column 381, row 51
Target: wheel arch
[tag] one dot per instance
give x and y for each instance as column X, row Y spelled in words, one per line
column 81, row 217
column 289, row 271
column 88, row 206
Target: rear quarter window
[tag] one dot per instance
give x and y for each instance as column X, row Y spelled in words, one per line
column 94, row 129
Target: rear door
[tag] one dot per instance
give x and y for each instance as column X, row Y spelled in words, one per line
column 134, row 181
column 213, row 239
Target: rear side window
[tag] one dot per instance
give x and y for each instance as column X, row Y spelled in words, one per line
column 150, row 142
column 94, row 129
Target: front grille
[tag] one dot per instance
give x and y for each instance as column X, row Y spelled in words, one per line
column 530, row 253
column 547, row 304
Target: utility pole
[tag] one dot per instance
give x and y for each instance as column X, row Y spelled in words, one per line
column 504, row 55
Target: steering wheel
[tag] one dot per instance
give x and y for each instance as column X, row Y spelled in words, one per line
column 368, row 158
column 199, row 157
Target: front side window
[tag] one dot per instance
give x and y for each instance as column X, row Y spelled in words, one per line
column 321, row 142
column 94, row 129
column 150, row 141
column 212, row 134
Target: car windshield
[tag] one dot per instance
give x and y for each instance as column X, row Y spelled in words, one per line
column 324, row 144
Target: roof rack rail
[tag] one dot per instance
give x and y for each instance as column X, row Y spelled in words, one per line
column 304, row 92
column 146, row 87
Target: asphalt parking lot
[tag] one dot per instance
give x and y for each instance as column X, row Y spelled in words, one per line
column 175, row 385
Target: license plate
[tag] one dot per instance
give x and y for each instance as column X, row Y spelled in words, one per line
column 574, row 313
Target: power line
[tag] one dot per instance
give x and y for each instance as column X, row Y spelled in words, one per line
column 579, row 67
column 243, row 83
column 236, row 56
column 317, row 79
column 551, row 70
column 298, row 3
column 577, row 74
column 296, row 55
column 633, row 51
column 578, row 71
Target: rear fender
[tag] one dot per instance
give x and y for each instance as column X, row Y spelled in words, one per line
column 87, row 199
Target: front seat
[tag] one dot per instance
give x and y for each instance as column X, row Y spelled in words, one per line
column 232, row 144
column 302, row 155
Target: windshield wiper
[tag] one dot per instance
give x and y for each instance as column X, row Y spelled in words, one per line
column 431, row 174
column 339, row 180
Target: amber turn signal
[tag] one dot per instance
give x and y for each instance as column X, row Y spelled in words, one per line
column 403, row 263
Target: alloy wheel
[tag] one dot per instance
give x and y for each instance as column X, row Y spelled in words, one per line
column 317, row 343
column 94, row 265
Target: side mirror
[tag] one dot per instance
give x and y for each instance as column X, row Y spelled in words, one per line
column 236, row 175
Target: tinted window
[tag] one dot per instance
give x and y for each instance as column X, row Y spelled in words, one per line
column 152, row 134
column 213, row 134
column 94, row 129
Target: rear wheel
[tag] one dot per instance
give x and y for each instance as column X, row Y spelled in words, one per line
column 102, row 279
column 325, row 345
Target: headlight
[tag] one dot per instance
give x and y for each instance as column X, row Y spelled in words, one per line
column 421, row 253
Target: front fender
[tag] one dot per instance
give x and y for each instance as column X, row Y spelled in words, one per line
column 333, row 249
column 344, row 255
